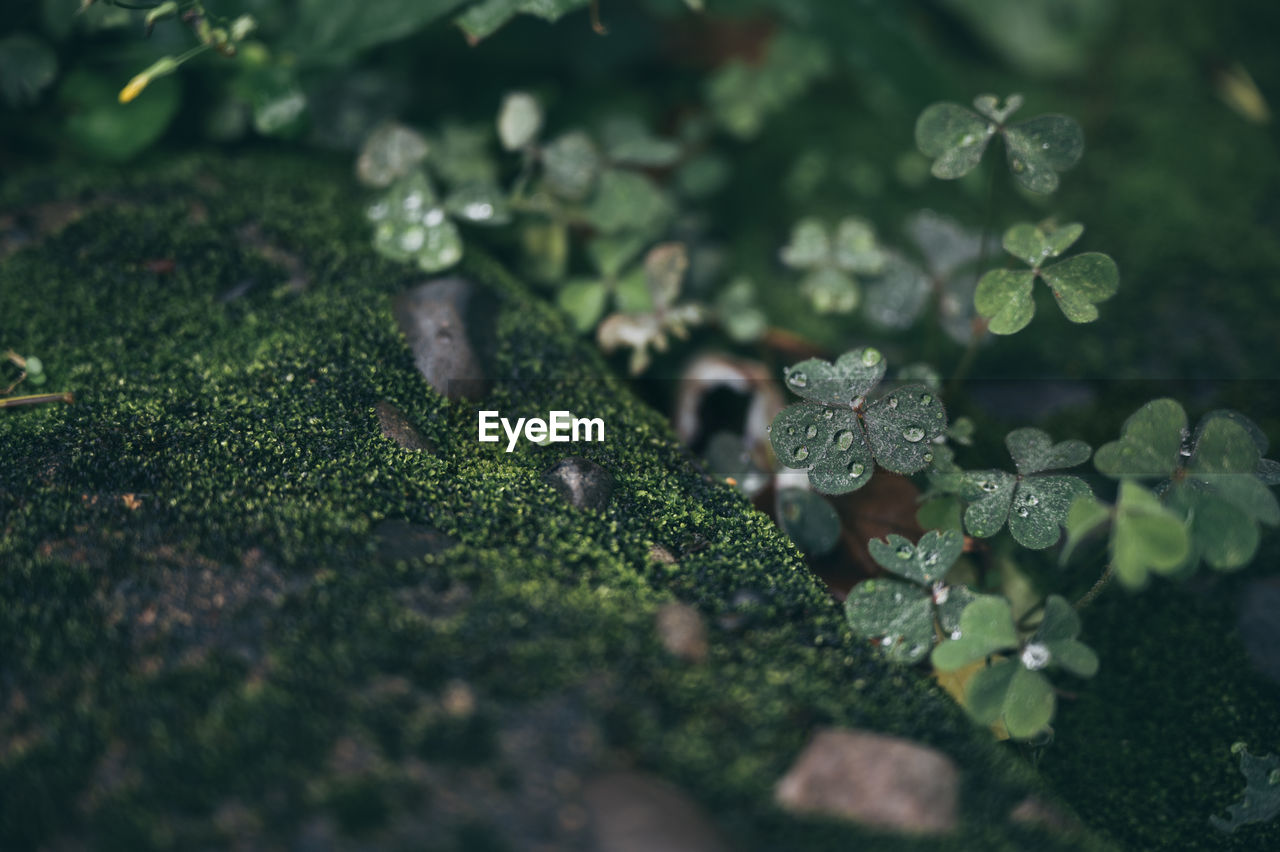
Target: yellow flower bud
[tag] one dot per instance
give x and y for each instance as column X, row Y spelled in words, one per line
column 162, row 66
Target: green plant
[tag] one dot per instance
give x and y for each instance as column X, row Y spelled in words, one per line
column 1004, row 295
column 1261, row 799
column 832, row 261
column 839, row 435
column 1013, row 688
column 905, row 612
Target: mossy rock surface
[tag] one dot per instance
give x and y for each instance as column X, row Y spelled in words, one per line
column 234, row 612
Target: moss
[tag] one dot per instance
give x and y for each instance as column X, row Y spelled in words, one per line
column 199, row 617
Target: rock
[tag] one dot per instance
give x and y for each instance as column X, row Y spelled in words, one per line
column 402, row 541
column 682, row 631
column 1259, row 625
column 880, row 781
column 634, row 812
column 584, row 484
column 396, row 427
column 433, row 318
column 1035, row 811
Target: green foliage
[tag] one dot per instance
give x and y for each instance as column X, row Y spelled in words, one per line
column 411, row 224
column 1261, row 799
column 1013, row 689
column 103, row 128
column 1037, row 149
column 903, row 612
column 1004, row 295
column 587, row 299
column 27, row 67
column 832, row 261
column 1145, row 536
column 1209, row 477
column 640, row 329
column 1032, row 502
column 488, row 16
column 742, row 97
column 837, row 434
column 810, row 520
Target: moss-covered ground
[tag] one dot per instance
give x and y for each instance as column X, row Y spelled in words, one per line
column 208, row 636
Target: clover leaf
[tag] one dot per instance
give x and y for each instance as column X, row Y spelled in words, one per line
column 412, row 224
column 1033, row 503
column 1004, row 295
column 664, row 269
column 956, row 138
column 571, row 165
column 901, row 611
column 833, row 260
column 1210, row 478
column 838, row 434
column 1146, row 537
column 617, row 280
column 1013, row 689
column 1260, row 801
column 949, row 253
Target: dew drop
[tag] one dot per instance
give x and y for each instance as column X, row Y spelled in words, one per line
column 378, row 211
column 928, row 457
column 925, row 398
column 893, row 402
column 1045, row 146
column 433, row 217
column 844, row 439
column 941, row 594
column 478, row 210
column 886, row 641
column 856, row 469
column 1035, row 656
column 811, row 432
column 1023, row 511
column 870, row 356
column 828, row 414
column 904, row 552
column 897, row 597
column 798, row 379
column 988, row 486
column 791, row 430
column 914, row 434
column 1032, row 500
column 955, row 634
column 801, row 453
column 412, row 201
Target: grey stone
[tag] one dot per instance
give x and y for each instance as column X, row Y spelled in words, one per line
column 583, row 483
column 1259, row 625
column 396, row 427
column 634, row 812
column 682, row 631
column 434, row 319
column 403, row 541
column 880, row 781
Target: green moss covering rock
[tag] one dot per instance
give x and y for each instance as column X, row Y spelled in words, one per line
column 234, row 611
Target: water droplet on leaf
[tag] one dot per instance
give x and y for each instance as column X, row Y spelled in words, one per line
column 798, row 380
column 914, row 434
column 926, row 398
column 413, row 239
column 856, row 469
column 844, row 439
column 904, row 552
column 801, row 453
column 433, row 217
column 988, row 486
column 811, row 432
column 870, row 356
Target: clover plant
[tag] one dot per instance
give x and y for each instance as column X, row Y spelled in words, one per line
column 832, row 260
column 903, row 612
column 1012, row 687
column 1037, row 149
column 1215, row 478
column 839, row 436
column 1033, row 502
column 1145, row 538
column 664, row 269
column 1260, row 801
column 1078, row 283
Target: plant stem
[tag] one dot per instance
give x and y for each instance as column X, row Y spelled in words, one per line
column 979, row 328
column 36, row 399
column 1096, row 590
